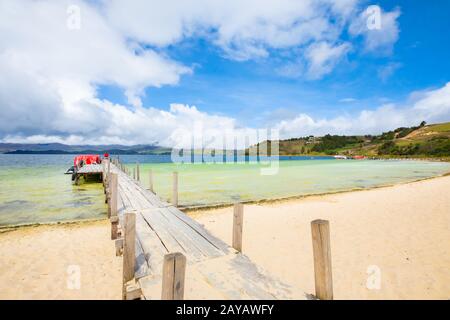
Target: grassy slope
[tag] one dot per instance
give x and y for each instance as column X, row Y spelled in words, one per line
column 424, row 136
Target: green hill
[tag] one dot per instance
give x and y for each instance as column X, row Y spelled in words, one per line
column 419, row 141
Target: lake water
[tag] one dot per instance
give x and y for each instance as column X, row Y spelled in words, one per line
column 34, row 189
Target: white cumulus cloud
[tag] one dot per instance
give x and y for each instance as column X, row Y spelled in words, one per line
column 322, row 57
column 380, row 37
column 50, row 73
column 432, row 106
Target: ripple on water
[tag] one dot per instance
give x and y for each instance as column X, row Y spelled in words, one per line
column 16, row 205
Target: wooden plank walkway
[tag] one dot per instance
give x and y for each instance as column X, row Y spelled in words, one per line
column 91, row 168
column 89, row 171
column 214, row 270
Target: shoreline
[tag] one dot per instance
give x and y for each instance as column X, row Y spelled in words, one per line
column 193, row 209
column 386, row 243
column 10, row 228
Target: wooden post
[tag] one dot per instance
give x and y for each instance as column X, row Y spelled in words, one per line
column 174, row 269
column 138, row 176
column 238, row 221
column 114, row 227
column 132, row 291
column 320, row 230
column 150, row 176
column 119, row 246
column 112, row 205
column 134, row 173
column 113, row 189
column 103, row 174
column 175, row 189
column 129, row 258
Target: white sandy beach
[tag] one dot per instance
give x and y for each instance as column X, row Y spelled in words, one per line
column 43, row 262
column 402, row 230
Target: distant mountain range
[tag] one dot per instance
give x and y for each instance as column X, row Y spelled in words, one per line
column 59, row 148
column 418, row 141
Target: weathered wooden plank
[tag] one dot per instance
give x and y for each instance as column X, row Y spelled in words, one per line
column 232, row 276
column 173, row 276
column 154, row 200
column 180, row 233
column 132, row 291
column 114, row 189
column 141, row 267
column 238, row 219
column 166, row 238
column 320, row 231
column 176, row 238
column 216, row 242
column 180, row 227
column 129, row 247
column 176, row 234
column 114, row 227
column 152, row 246
column 90, row 168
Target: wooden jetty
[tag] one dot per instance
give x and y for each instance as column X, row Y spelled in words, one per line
column 168, row 255
column 94, row 171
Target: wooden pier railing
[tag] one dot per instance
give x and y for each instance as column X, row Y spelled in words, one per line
column 168, row 255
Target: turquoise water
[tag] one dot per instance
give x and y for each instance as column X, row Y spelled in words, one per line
column 33, row 188
column 206, row 184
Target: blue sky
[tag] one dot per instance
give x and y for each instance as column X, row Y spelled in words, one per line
column 254, row 93
column 148, row 71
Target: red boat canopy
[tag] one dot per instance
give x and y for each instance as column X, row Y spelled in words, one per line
column 87, row 159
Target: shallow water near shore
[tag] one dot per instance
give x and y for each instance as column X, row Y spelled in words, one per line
column 34, row 189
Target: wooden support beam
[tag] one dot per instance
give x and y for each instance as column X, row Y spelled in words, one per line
column 132, row 291
column 175, row 189
column 119, row 246
column 108, row 201
column 114, row 227
column 129, row 258
column 103, row 174
column 320, row 230
column 238, row 221
column 174, row 269
column 138, row 176
column 150, row 177
column 113, row 189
